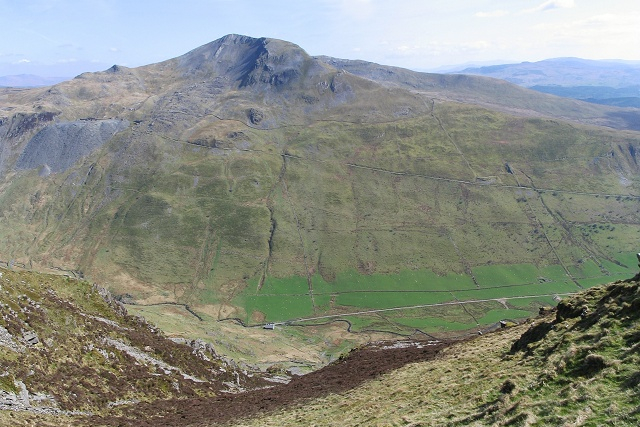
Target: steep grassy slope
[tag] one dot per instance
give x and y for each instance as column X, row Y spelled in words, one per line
column 256, row 183
column 200, row 226
column 578, row 366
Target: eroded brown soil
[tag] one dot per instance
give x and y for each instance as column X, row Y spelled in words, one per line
column 352, row 370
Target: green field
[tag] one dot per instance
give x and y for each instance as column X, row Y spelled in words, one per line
column 391, row 302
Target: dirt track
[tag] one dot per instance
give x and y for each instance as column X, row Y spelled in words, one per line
column 357, row 367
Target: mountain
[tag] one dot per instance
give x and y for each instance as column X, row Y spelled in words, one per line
column 30, row 80
column 489, row 93
column 340, row 200
column 602, row 82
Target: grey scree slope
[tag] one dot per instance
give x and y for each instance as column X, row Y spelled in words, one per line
column 60, row 145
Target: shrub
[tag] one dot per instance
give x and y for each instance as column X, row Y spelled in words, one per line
column 507, row 387
column 593, row 363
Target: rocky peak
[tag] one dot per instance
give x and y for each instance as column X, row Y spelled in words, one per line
column 247, row 61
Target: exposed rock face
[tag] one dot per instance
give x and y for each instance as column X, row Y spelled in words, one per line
column 255, row 116
column 14, row 131
column 60, row 145
column 22, row 123
column 6, row 340
column 250, row 62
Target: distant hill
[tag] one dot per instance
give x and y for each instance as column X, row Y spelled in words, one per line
column 614, row 83
column 628, row 96
column 30, row 80
column 566, row 72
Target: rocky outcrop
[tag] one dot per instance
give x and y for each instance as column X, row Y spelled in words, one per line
column 6, row 339
column 82, row 352
column 40, row 403
column 618, row 300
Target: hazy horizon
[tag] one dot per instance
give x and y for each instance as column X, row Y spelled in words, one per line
column 54, row 38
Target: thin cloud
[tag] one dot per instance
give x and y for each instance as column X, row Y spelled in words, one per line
column 11, row 55
column 600, row 36
column 608, row 27
column 436, row 48
column 492, row 14
column 47, row 38
column 551, row 5
column 356, row 9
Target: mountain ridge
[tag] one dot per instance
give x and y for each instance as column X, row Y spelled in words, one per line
column 491, row 93
column 601, row 82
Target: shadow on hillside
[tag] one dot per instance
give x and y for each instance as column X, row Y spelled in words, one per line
column 627, row 119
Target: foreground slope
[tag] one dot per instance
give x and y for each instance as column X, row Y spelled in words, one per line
column 578, row 366
column 255, row 183
column 66, row 347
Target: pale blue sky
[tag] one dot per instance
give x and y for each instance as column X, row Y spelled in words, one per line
column 67, row 37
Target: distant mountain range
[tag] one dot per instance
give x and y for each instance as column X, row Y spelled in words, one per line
column 30, row 80
column 604, row 82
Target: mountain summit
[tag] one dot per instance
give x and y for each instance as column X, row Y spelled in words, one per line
column 249, row 61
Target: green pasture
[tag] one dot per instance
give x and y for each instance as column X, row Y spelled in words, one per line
column 596, row 281
column 278, row 308
column 433, row 324
column 385, row 300
column 522, row 287
column 629, row 259
column 507, row 291
column 532, row 304
column 505, row 275
column 405, row 280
